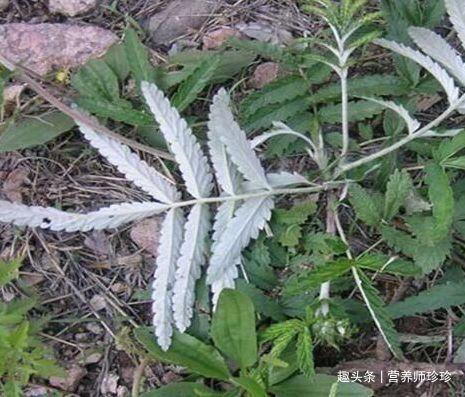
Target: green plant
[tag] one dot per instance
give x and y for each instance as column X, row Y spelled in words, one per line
column 249, row 369
column 22, row 353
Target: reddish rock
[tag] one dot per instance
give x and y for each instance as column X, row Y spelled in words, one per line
column 216, row 38
column 264, row 74
column 71, row 381
column 71, row 8
column 46, row 46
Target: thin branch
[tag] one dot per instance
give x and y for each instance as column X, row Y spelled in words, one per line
column 419, row 134
column 23, row 76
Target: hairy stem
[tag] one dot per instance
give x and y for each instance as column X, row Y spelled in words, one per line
column 421, row 132
column 330, row 229
column 345, row 114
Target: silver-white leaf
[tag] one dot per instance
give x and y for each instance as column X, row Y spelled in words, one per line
column 412, row 124
column 249, row 219
column 182, row 142
column 236, row 141
column 456, row 11
column 440, row 50
column 168, row 254
column 425, row 61
column 131, row 166
column 189, row 265
column 51, row 218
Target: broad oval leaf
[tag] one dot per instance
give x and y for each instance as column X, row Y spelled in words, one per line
column 233, row 327
column 319, row 386
column 184, row 389
column 37, row 131
column 186, row 351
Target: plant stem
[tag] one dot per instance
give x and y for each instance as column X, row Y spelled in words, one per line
column 330, row 229
column 383, row 152
column 345, row 114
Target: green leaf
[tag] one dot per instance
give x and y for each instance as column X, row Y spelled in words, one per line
column 279, row 91
column 378, row 312
column 318, row 386
column 386, row 264
column 116, row 59
column 265, row 50
column 397, row 190
column 440, row 296
column 456, row 162
column 265, row 116
column 358, row 111
column 32, row 132
column 297, row 214
column 253, row 388
column 304, row 349
column 306, row 281
column 263, row 304
column 9, row 271
column 364, row 205
column 96, row 80
column 118, row 111
column 184, row 389
column 450, row 147
column 186, row 351
column 441, row 196
column 233, row 327
column 137, row 57
column 195, row 84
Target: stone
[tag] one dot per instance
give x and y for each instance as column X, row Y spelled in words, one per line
column 4, row 4
column 179, row 18
column 264, row 74
column 71, row 380
column 45, row 47
column 215, row 39
column 71, row 8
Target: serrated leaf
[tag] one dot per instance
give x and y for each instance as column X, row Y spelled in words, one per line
column 426, row 62
column 440, row 296
column 53, row 219
column 233, row 328
column 457, row 17
column 137, row 57
column 189, row 89
column 191, row 259
column 378, row 312
column 235, row 141
column 120, row 110
column 249, row 219
column 192, row 162
column 26, row 133
column 441, row 196
column 9, row 271
column 297, row 214
column 364, row 205
column 265, row 50
column 397, row 190
column 412, row 124
column 358, row 111
column 131, row 166
column 96, row 80
column 450, row 147
column 168, row 254
column 263, row 304
column 281, row 90
column 188, row 352
column 440, row 50
column 304, row 350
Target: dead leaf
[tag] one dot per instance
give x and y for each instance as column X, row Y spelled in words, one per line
column 146, row 234
column 98, row 243
column 12, row 187
column 264, row 32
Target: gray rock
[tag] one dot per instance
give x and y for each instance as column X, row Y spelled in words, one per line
column 4, row 4
column 71, row 8
column 179, row 18
column 47, row 46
